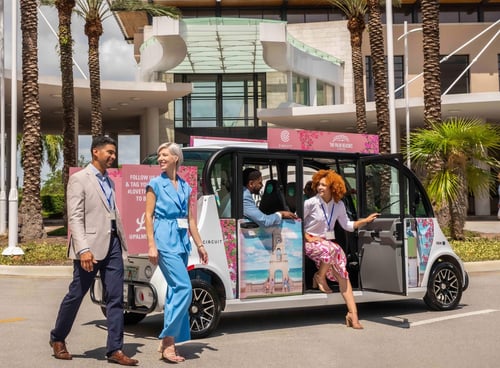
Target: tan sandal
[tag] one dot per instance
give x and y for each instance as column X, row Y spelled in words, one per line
column 169, row 352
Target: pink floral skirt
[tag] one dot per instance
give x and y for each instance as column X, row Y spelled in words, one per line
column 327, row 251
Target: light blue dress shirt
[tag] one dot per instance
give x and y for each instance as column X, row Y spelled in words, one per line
column 252, row 212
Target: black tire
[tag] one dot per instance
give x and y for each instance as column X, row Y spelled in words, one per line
column 129, row 318
column 444, row 289
column 205, row 309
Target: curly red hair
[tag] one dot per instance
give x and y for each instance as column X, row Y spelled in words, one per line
column 333, row 180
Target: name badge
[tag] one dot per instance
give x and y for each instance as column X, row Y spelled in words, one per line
column 182, row 223
column 112, row 215
column 330, row 235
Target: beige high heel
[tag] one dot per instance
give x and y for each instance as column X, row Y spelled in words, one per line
column 321, row 285
column 169, row 353
column 349, row 322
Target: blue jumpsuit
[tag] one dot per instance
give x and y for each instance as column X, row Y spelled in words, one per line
column 172, row 242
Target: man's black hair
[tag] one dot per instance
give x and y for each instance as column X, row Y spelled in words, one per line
column 100, row 141
column 250, row 174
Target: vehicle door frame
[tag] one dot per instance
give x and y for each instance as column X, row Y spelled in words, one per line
column 381, row 244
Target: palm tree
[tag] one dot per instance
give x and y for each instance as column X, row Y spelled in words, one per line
column 432, row 72
column 355, row 11
column 51, row 148
column 379, row 74
column 463, row 146
column 148, row 7
column 64, row 11
column 52, row 145
column 94, row 12
column 30, row 211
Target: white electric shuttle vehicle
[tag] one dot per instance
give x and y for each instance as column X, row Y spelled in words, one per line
column 402, row 254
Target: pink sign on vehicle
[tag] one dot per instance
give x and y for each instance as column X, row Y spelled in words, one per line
column 312, row 140
column 131, row 196
column 130, row 187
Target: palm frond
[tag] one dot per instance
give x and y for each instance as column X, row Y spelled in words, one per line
column 152, row 9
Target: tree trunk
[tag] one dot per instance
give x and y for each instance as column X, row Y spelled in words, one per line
column 380, row 75
column 94, row 30
column 30, row 211
column 432, row 71
column 65, row 9
column 458, row 208
column 356, row 26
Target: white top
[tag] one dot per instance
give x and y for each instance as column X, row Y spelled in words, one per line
column 320, row 217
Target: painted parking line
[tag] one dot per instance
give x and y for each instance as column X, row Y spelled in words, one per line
column 9, row 320
column 461, row 315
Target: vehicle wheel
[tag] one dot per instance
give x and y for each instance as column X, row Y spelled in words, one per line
column 205, row 309
column 129, row 318
column 444, row 289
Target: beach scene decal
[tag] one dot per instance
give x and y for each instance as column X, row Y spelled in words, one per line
column 270, row 259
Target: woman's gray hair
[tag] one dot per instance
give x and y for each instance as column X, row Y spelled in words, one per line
column 174, row 149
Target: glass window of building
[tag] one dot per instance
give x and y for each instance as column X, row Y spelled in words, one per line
column 400, row 15
column 300, row 90
column 468, row 14
column 491, row 13
column 324, row 94
column 399, row 78
column 449, row 14
column 222, row 100
column 451, row 70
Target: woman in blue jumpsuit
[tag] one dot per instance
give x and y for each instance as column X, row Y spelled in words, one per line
column 167, row 222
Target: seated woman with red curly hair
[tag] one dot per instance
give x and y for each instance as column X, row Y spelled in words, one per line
column 320, row 214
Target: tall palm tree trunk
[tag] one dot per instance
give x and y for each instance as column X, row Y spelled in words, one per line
column 432, row 89
column 356, row 26
column 65, row 9
column 380, row 74
column 30, row 211
column 432, row 72
column 95, row 85
column 458, row 208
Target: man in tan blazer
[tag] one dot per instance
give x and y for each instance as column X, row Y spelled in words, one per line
column 97, row 243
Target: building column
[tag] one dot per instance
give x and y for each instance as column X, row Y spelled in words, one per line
column 289, row 86
column 150, row 131
column 313, row 90
column 482, row 206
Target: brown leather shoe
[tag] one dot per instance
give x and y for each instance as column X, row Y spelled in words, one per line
column 120, row 358
column 60, row 351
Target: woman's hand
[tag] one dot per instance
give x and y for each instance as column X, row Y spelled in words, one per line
column 372, row 217
column 202, row 252
column 153, row 255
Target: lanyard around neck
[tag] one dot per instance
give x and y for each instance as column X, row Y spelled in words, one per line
column 328, row 220
column 109, row 197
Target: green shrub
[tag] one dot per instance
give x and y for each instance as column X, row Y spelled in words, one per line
column 53, row 205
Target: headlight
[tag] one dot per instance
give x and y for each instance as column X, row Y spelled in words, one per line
column 148, row 272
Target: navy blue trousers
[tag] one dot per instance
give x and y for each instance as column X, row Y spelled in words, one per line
column 111, row 271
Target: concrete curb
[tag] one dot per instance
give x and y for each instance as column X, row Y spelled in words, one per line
column 485, row 266
column 37, row 271
column 67, row 271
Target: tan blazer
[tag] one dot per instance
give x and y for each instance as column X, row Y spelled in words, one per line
column 89, row 216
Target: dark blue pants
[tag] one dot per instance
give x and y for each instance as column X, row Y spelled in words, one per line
column 111, row 271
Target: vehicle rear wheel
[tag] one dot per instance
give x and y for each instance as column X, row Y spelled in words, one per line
column 205, row 309
column 444, row 289
column 129, row 318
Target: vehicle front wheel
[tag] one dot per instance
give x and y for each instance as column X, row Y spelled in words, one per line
column 444, row 289
column 129, row 318
column 205, row 309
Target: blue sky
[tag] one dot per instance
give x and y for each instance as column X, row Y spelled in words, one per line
column 116, row 61
column 116, row 55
